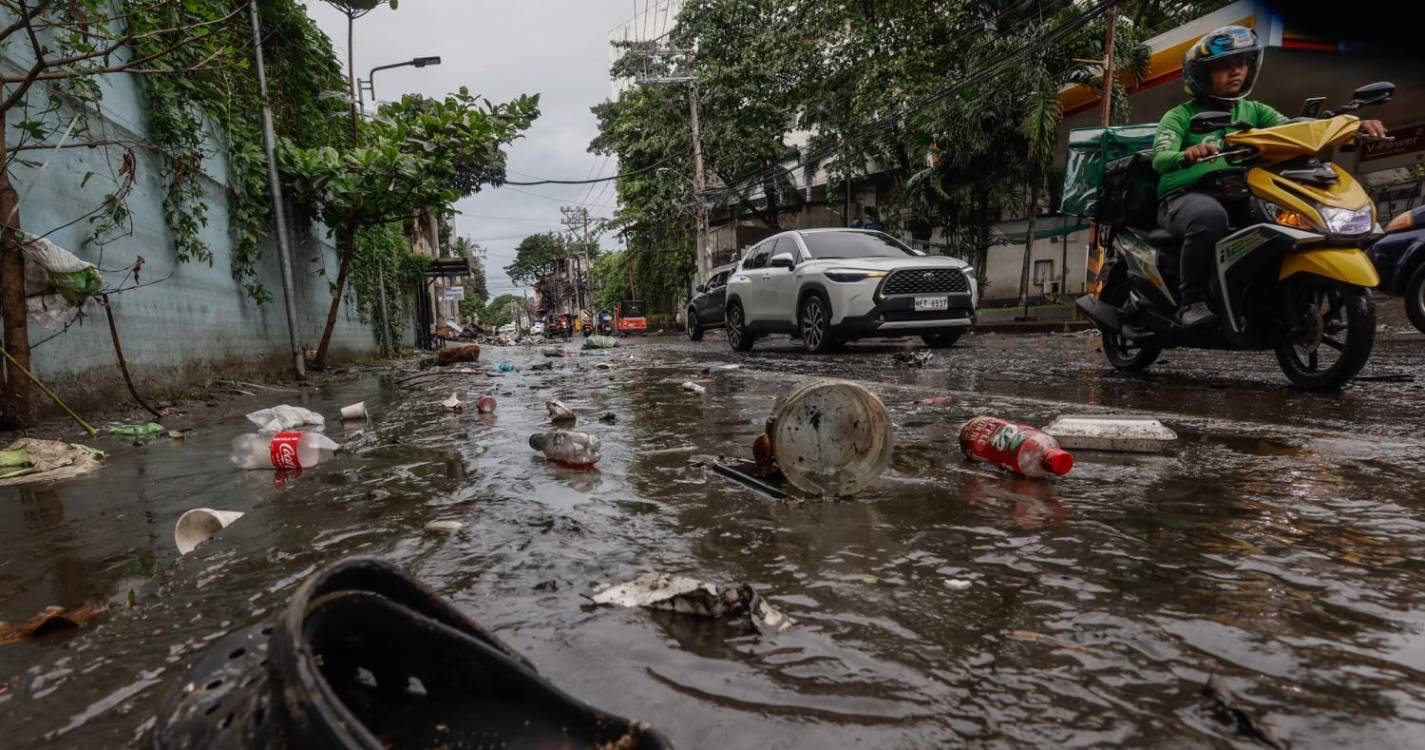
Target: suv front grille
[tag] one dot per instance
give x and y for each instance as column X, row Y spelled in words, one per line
column 926, row 281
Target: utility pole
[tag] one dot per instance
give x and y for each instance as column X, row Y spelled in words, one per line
column 703, row 264
column 576, row 220
column 279, row 214
column 1092, row 283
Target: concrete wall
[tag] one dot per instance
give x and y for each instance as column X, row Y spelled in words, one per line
column 1005, row 264
column 196, row 323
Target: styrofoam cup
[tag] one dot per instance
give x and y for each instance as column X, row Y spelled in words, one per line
column 355, row 411
column 199, row 525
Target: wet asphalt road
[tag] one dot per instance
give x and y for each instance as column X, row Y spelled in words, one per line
column 1279, row 547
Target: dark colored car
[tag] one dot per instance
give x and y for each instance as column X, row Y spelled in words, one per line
column 708, row 307
column 1399, row 257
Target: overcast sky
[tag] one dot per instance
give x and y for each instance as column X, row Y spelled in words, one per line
column 556, row 48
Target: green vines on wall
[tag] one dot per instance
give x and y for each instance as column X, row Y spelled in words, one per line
column 218, row 90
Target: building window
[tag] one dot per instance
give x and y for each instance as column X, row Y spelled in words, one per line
column 1043, row 272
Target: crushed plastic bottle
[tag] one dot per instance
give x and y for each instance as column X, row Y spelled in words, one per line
column 285, row 450
column 576, row 450
column 1017, row 447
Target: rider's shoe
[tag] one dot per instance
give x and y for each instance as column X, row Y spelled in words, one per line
column 1196, row 315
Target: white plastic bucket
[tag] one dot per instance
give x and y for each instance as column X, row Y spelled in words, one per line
column 355, row 411
column 831, row 437
column 199, row 525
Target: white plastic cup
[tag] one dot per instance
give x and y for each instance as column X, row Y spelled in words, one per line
column 199, row 525
column 355, row 411
column 831, row 437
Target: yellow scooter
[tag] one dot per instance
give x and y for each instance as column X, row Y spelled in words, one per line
column 1292, row 276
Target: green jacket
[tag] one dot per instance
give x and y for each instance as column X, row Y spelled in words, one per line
column 1173, row 137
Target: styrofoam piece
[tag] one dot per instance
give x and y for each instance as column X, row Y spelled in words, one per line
column 1111, row 433
column 355, row 411
column 199, row 525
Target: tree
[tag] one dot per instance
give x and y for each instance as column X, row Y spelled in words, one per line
column 67, row 47
column 419, row 154
column 536, row 260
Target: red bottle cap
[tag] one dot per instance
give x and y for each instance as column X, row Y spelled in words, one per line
column 1057, row 461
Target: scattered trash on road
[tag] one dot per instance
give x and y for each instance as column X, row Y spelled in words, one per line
column 454, row 403
column 957, row 584
column 485, row 404
column 284, row 417
column 542, row 366
column 444, row 526
column 285, row 450
column 609, row 418
column 1108, row 433
column 355, row 411
column 49, row 620
column 600, row 342
column 763, row 454
column 747, row 480
column 151, row 429
column 937, row 400
column 559, row 413
column 603, row 366
column 453, row 354
column 692, row 387
column 30, row 460
column 553, row 351
column 199, row 525
column 728, row 367
column 915, row 358
column 1219, row 704
column 1017, row 447
column 507, row 366
column 575, row 450
column 690, row 596
column 831, row 437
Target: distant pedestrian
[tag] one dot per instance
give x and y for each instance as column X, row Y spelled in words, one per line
column 875, row 222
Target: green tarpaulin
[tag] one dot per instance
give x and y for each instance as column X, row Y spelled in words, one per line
column 1017, row 232
column 1089, row 150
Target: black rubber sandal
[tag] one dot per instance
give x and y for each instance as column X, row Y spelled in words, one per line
column 365, row 657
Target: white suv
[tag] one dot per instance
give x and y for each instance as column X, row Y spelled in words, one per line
column 827, row 286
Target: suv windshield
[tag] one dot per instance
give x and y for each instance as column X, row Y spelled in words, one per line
column 832, row 245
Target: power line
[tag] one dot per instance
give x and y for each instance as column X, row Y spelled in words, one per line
column 641, row 170
column 563, row 201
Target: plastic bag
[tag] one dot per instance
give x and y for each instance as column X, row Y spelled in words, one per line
column 284, row 417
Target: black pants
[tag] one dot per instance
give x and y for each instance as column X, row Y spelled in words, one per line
column 1200, row 220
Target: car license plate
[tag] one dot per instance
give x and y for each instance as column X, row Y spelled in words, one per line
column 924, row 304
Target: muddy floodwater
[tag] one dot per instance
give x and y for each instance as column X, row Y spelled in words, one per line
column 1279, row 546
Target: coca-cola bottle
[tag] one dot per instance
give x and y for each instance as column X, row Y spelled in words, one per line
column 1018, row 447
column 285, row 450
column 577, row 450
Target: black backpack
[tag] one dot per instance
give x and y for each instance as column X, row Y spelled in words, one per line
column 1128, row 195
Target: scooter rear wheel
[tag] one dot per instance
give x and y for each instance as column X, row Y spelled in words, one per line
column 1334, row 336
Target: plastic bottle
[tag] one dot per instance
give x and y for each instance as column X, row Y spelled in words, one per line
column 285, row 450
column 576, row 450
column 1018, row 447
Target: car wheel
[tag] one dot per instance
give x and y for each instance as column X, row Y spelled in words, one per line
column 1415, row 298
column 815, row 322
column 943, row 340
column 695, row 327
column 737, row 336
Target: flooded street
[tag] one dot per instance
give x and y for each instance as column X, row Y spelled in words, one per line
column 1279, row 546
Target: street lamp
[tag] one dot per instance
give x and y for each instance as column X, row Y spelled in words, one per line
column 369, row 85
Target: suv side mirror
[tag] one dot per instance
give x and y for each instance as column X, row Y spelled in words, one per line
column 783, row 260
column 1373, row 93
column 1209, row 122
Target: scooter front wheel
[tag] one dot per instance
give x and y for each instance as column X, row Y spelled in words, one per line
column 1331, row 336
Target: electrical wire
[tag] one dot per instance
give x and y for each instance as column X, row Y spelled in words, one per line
column 638, row 171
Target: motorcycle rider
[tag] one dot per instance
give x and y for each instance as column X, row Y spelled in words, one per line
column 1218, row 72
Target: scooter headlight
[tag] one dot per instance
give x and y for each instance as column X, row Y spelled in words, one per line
column 1348, row 221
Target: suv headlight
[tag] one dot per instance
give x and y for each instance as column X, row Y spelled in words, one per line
column 1348, row 221
column 849, row 275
